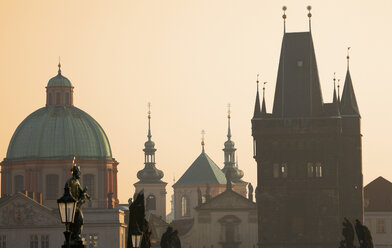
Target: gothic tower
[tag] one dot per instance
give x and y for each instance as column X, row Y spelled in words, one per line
column 308, row 154
column 150, row 179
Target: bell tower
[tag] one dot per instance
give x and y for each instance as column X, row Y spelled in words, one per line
column 150, row 179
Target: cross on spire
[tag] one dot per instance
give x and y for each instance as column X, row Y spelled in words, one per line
column 309, row 8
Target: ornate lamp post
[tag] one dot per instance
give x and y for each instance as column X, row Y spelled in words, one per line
column 67, row 207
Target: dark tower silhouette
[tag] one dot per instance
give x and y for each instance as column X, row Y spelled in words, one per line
column 308, row 154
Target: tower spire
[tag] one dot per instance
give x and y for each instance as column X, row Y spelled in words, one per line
column 202, row 140
column 263, row 107
column 284, row 8
column 309, row 8
column 349, row 104
column 335, row 99
column 228, row 120
column 256, row 112
column 149, row 120
column 338, row 90
column 59, row 65
column 348, row 58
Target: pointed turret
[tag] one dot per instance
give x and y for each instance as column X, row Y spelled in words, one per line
column 263, row 106
column 257, row 112
column 349, row 104
column 149, row 173
column 335, row 99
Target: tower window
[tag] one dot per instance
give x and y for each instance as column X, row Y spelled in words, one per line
column 52, row 186
column 315, row 169
column 151, row 203
column 19, row 183
column 58, row 98
column 185, row 206
column 33, row 241
column 67, row 100
column 280, row 170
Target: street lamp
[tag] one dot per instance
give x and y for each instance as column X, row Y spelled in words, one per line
column 67, row 207
column 136, row 237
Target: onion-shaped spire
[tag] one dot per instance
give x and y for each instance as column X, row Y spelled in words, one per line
column 149, row 173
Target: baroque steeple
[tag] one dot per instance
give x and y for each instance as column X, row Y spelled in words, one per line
column 229, row 154
column 149, row 173
column 349, row 104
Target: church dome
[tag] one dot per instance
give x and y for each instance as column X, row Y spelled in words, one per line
column 59, row 81
column 58, row 133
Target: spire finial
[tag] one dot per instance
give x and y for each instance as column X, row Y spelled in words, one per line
column 264, row 89
column 149, row 120
column 284, row 8
column 202, row 139
column 257, row 82
column 59, row 65
column 309, row 8
column 339, row 90
column 334, row 88
column 263, row 107
column 228, row 120
column 348, row 57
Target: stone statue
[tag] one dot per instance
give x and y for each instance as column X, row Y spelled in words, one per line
column 250, row 192
column 363, row 234
column 229, row 177
column 80, row 196
column 166, row 237
column 175, row 240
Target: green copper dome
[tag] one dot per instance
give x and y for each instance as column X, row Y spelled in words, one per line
column 59, row 81
column 58, row 133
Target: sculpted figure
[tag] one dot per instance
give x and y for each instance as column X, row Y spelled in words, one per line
column 80, row 195
column 166, row 237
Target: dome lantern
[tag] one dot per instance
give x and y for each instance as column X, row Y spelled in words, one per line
column 59, row 91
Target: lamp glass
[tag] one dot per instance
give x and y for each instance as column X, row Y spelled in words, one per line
column 62, row 211
column 71, row 207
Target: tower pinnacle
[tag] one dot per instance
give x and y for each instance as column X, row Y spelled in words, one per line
column 263, row 106
column 335, row 99
column 228, row 119
column 284, row 8
column 348, row 58
column 309, row 8
column 256, row 112
column 149, row 120
column 59, row 65
column 202, row 140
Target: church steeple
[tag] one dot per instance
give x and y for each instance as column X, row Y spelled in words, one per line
column 150, row 173
column 257, row 112
column 349, row 104
column 229, row 153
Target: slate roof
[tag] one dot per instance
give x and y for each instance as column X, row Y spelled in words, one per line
column 202, row 171
column 297, row 92
column 378, row 195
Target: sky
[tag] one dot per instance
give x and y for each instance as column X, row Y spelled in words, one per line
column 189, row 59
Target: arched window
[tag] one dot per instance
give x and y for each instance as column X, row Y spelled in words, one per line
column 52, row 186
column 50, row 100
column 19, row 183
column 151, row 202
column 88, row 180
column 319, row 170
column 67, row 100
column 185, row 206
column 57, row 98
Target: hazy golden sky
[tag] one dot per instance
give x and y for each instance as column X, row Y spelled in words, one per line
column 189, row 59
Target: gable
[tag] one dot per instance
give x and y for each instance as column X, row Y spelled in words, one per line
column 228, row 200
column 20, row 210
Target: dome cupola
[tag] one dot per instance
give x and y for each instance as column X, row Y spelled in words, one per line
column 59, row 91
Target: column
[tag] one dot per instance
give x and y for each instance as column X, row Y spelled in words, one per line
column 27, row 180
column 115, row 183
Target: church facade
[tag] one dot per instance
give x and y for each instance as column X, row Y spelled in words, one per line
column 308, row 154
